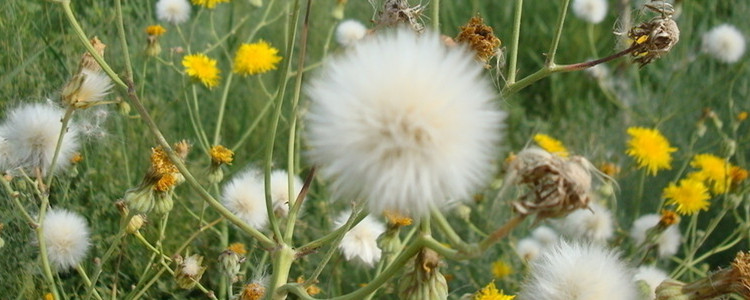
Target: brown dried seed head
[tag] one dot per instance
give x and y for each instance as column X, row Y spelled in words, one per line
column 87, row 60
column 653, row 39
column 741, row 265
column 480, row 38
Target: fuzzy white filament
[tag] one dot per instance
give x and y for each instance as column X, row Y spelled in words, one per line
column 360, row 243
column 30, row 133
column 545, row 236
column 66, row 237
column 725, row 43
column 280, row 191
column 668, row 241
column 578, row 271
column 173, row 11
column 528, row 249
column 403, row 122
column 245, row 196
column 592, row 224
column 349, row 32
column 592, row 11
column 94, row 87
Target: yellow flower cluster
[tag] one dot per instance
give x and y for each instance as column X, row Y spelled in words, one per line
column 716, row 172
column 221, row 155
column 209, row 3
column 650, row 149
column 551, row 144
column 202, row 68
column 163, row 170
column 490, row 292
column 256, row 58
column 155, row 30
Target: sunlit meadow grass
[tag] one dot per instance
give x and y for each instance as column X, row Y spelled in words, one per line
column 693, row 99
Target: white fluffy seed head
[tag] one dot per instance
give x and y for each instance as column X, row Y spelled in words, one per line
column 30, row 133
column 545, row 236
column 725, row 43
column 403, row 122
column 578, row 271
column 592, row 11
column 280, row 191
column 360, row 243
column 652, row 276
column 244, row 196
column 528, row 249
column 349, row 32
column 668, row 242
column 66, row 237
column 173, row 11
column 94, row 87
column 191, row 266
column 592, row 224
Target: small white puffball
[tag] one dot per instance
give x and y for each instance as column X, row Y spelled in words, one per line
column 592, row 11
column 578, row 271
column 593, row 224
column 725, row 43
column 360, row 243
column 668, row 242
column 349, row 32
column 528, row 249
column 66, row 237
column 30, row 133
column 244, row 196
column 191, row 266
column 173, row 11
column 652, row 276
column 545, row 236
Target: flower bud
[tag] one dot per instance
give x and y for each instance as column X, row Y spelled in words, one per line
column 140, row 199
column 231, row 262
column 163, row 202
column 135, row 224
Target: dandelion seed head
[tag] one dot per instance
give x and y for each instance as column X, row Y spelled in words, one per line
column 652, row 276
column 360, row 243
column 528, row 249
column 349, row 32
column 244, row 196
column 725, row 43
column 191, row 266
column 280, row 191
column 66, row 236
column 669, row 240
column 173, row 11
column 403, row 122
column 545, row 235
column 592, row 224
column 578, row 271
column 30, row 133
column 592, row 11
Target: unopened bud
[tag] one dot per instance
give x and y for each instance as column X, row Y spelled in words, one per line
column 231, row 263
column 135, row 224
column 140, row 199
column 163, row 202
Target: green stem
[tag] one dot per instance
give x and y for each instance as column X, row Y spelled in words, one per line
column 222, row 108
column 252, row 126
column 14, row 196
column 85, row 40
column 86, row 281
column 63, row 129
column 500, row 233
column 334, row 246
column 447, row 230
column 311, row 246
column 558, row 33
column 282, row 262
column 436, row 15
column 639, row 192
column 514, row 42
column 592, row 44
column 123, row 41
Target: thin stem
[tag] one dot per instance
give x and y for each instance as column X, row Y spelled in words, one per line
column 331, row 250
column 639, row 192
column 123, row 41
column 514, row 42
column 222, row 108
column 558, row 33
column 63, row 129
column 86, row 280
column 436, row 15
column 500, row 232
column 311, row 246
column 14, row 196
column 446, row 229
column 252, row 126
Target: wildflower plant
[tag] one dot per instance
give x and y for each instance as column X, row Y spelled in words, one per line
column 373, row 150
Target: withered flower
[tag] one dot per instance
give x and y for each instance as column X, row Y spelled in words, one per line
column 652, row 39
column 480, row 38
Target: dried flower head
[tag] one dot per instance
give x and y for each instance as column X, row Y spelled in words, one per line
column 735, row 279
column 480, row 38
column 668, row 218
column 87, row 60
column 397, row 12
column 253, row 291
column 555, row 185
column 652, row 39
column 189, row 271
column 221, row 155
column 86, row 88
column 255, row 58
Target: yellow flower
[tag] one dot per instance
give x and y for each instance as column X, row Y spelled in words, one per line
column 742, row 116
column 200, row 67
column 713, row 170
column 737, row 175
column 551, row 145
column 221, row 155
column 208, row 3
column 396, row 219
column 490, row 292
column 256, row 58
column 501, row 269
column 238, row 248
column 253, row 291
column 650, row 149
column 690, row 196
column 155, row 30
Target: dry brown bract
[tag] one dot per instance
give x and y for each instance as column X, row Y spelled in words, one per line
column 480, row 38
column 556, row 185
column 656, row 37
column 397, row 12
